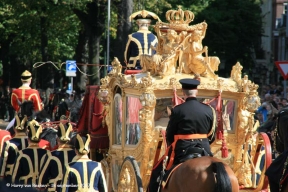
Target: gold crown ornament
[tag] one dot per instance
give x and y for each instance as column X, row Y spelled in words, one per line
column 179, row 16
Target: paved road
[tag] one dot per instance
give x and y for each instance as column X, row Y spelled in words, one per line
column 3, row 124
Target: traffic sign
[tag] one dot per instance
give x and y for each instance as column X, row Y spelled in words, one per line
column 283, row 68
column 71, row 68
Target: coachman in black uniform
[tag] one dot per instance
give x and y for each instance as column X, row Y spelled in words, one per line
column 83, row 174
column 191, row 118
column 189, row 132
column 11, row 148
column 141, row 41
column 51, row 172
column 29, row 160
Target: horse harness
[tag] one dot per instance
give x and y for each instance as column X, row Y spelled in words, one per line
column 278, row 139
column 280, row 149
column 192, row 152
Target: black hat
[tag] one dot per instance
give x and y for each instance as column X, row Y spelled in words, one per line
column 82, row 143
column 26, row 75
column 189, row 83
column 143, row 14
column 35, row 129
column 64, row 131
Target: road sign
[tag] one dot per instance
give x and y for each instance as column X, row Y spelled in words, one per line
column 283, row 68
column 71, row 68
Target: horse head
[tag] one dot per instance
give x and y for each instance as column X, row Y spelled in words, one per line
column 281, row 132
column 26, row 108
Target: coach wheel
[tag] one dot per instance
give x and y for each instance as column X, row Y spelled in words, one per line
column 129, row 178
column 261, row 157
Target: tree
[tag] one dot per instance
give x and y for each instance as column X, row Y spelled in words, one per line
column 234, row 27
column 124, row 28
column 35, row 31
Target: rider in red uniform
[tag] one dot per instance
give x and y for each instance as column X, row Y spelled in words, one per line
column 26, row 93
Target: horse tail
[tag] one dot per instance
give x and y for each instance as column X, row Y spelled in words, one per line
column 223, row 183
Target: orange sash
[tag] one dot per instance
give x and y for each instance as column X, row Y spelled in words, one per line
column 176, row 138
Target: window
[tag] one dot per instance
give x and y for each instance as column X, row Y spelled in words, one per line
column 118, row 118
column 133, row 132
column 285, row 5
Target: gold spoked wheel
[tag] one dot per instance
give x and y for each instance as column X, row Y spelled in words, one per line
column 261, row 158
column 129, row 178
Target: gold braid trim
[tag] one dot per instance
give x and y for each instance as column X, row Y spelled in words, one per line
column 212, row 131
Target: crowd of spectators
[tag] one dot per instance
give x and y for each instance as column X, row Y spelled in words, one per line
column 73, row 101
column 272, row 101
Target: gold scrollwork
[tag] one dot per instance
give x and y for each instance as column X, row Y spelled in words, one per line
column 127, row 178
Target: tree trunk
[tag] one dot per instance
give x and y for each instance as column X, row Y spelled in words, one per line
column 45, row 70
column 94, row 24
column 94, row 57
column 124, row 28
column 5, row 48
column 82, row 57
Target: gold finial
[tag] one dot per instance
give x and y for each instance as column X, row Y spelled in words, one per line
column 179, row 16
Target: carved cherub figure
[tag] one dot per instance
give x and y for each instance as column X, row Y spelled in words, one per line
column 193, row 59
column 116, row 66
column 236, row 73
column 245, row 84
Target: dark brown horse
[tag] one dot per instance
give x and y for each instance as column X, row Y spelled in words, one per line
column 203, row 174
column 277, row 172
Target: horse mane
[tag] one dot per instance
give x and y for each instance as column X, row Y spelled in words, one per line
column 49, row 134
column 26, row 108
column 42, row 116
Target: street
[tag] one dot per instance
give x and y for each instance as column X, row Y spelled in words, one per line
column 3, row 124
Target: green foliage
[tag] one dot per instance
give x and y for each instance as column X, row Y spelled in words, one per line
column 22, row 21
column 234, row 30
column 233, row 34
column 234, row 27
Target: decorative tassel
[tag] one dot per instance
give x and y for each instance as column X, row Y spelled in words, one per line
column 176, row 100
column 219, row 135
column 224, row 148
column 219, row 119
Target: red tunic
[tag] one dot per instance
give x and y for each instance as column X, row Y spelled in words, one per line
column 26, row 94
column 4, row 136
column 45, row 144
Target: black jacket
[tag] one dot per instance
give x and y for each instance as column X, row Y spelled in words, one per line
column 191, row 117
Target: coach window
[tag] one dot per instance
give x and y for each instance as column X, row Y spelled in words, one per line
column 228, row 111
column 133, row 131
column 117, row 118
column 161, row 114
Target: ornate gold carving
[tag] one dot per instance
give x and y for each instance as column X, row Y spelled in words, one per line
column 103, row 95
column 252, row 101
column 159, row 77
column 236, row 73
column 104, row 82
column 179, row 16
column 116, row 67
column 127, row 178
column 146, row 82
column 181, row 43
